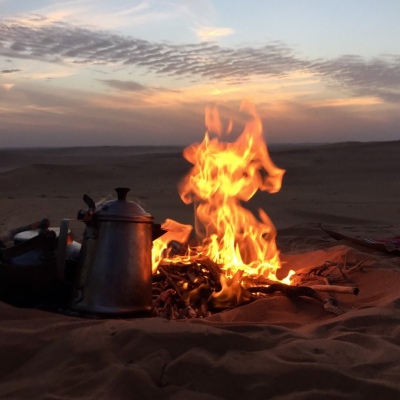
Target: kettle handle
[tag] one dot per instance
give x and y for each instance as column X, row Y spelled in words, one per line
column 62, row 248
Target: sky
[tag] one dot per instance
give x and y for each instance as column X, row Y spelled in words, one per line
column 95, row 72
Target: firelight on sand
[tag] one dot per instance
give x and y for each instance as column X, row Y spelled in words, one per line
column 225, row 174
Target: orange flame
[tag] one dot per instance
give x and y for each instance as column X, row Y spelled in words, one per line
column 223, row 175
column 175, row 232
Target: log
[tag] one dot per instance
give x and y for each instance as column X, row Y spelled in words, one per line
column 290, row 291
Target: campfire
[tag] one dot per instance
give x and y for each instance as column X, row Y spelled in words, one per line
column 232, row 259
column 228, row 259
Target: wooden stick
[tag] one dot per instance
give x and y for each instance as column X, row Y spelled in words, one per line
column 290, row 291
column 293, row 292
column 174, row 286
column 318, row 288
column 213, row 268
column 331, row 306
column 357, row 266
column 336, row 289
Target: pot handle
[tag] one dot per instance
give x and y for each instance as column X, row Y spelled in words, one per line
column 62, row 248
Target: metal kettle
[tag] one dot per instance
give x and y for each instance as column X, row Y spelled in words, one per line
column 114, row 276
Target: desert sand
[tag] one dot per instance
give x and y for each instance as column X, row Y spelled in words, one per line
column 273, row 348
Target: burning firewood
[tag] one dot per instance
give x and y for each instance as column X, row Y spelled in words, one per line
column 194, row 290
column 233, row 243
column 183, row 290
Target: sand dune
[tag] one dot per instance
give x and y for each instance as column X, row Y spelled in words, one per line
column 274, row 348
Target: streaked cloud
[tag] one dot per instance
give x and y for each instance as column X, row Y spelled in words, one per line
column 345, row 102
column 148, row 93
column 59, row 42
column 124, row 85
column 68, row 45
column 9, row 71
column 91, row 13
column 209, row 34
column 37, row 114
column 362, row 77
column 51, row 110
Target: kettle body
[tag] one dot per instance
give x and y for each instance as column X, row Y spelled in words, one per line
column 114, row 273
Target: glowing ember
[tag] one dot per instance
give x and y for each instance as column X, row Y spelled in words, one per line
column 224, row 174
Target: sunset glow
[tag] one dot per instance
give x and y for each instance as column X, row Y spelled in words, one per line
column 148, row 65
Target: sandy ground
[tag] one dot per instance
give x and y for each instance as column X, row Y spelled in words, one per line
column 274, row 348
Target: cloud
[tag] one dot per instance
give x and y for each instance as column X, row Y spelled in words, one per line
column 9, row 71
column 108, row 15
column 58, row 42
column 208, row 33
column 55, row 119
column 353, row 101
column 129, row 86
column 51, row 110
column 378, row 77
column 36, row 114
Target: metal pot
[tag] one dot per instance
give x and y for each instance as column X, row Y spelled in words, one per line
column 114, row 268
column 28, row 275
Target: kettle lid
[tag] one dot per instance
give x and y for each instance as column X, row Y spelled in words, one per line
column 122, row 209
